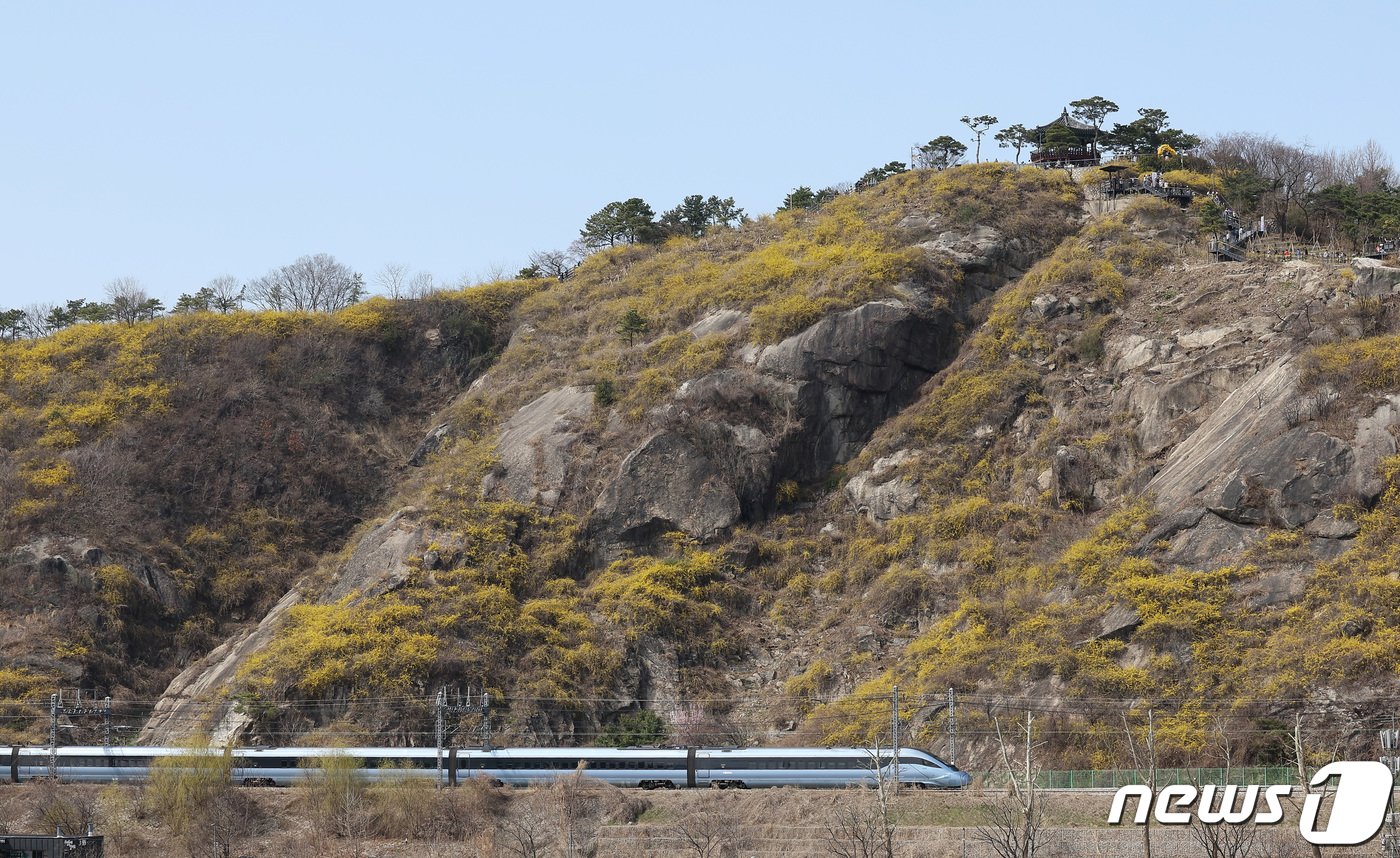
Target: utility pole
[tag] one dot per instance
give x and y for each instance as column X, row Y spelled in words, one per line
column 53, row 736
column 894, row 733
column 451, row 703
column 1028, row 750
column 485, row 709
column 952, row 728
column 75, row 709
column 440, row 727
column 893, row 720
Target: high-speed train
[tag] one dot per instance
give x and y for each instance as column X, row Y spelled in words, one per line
column 648, row 768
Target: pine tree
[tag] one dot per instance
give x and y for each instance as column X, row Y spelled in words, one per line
column 632, row 324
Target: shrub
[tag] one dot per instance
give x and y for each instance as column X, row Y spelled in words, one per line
column 604, row 393
column 1201, row 183
column 635, row 729
column 669, row 597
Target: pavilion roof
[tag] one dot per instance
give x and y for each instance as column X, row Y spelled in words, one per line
column 1065, row 120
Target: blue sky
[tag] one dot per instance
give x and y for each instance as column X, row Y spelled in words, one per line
column 176, row 142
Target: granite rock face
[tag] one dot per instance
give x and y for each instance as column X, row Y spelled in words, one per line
column 381, row 559
column 664, row 485
column 1285, row 482
column 535, row 446
column 803, row 406
column 882, row 493
column 1373, row 278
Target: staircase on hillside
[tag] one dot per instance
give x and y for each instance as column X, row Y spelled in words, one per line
column 1233, row 244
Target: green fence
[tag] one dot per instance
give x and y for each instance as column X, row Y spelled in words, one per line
column 1115, row 778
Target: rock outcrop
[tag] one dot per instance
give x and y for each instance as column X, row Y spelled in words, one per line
column 1374, row 279
column 1254, row 411
column 196, row 701
column 987, row 258
column 882, row 492
column 799, row 408
column 381, row 559
column 1285, row 482
column 666, row 484
column 535, row 446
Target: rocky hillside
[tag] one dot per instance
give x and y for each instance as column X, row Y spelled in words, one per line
column 948, row 431
column 166, row 483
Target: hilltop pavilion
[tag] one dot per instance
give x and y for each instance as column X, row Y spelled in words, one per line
column 1060, row 151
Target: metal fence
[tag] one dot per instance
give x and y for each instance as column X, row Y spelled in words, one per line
column 1115, row 778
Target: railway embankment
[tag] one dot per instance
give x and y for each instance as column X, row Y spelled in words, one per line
column 609, row 823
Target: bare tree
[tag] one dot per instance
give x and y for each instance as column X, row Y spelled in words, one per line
column 1375, row 170
column 226, row 294
column 1144, row 757
column 558, row 264
column 1224, row 742
column 525, row 838
column 1300, row 761
column 1293, row 172
column 860, row 829
column 338, row 794
column 229, row 817
column 37, row 319
column 491, row 273
column 193, row 794
column 421, row 285
column 129, row 301
column 707, row 831
column 392, row 280
column 1368, row 168
column 575, row 800
column 1290, row 173
column 864, row 828
column 1015, row 829
column 1224, row 841
column 316, row 283
column 59, row 806
column 1009, row 831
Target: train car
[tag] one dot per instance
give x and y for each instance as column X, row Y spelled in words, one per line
column 284, row 766
column 647, row 768
column 87, row 764
column 823, row 767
